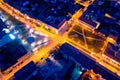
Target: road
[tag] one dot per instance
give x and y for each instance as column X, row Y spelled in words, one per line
column 42, row 53
column 109, row 63
column 55, row 37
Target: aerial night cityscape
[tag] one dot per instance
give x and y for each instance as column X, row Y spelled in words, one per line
column 59, row 39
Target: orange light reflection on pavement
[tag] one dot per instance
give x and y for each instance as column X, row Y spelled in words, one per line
column 55, row 40
column 42, row 53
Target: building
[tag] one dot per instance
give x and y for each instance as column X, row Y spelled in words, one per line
column 26, row 72
column 10, row 53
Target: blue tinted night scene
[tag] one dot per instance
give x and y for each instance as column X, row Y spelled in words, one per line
column 59, row 39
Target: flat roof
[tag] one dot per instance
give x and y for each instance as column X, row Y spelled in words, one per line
column 90, row 22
